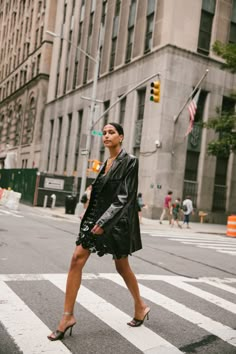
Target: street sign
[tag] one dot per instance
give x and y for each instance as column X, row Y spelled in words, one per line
column 97, row 132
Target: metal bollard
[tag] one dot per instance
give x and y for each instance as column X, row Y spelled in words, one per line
column 45, row 201
column 53, row 196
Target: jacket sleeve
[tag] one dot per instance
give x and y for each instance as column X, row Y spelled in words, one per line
column 127, row 192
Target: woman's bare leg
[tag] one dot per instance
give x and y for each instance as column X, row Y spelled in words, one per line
column 123, row 268
column 78, row 261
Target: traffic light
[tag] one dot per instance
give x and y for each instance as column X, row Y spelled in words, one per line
column 155, row 91
column 96, row 165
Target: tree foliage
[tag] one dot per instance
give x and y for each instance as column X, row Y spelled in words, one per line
column 227, row 52
column 224, row 123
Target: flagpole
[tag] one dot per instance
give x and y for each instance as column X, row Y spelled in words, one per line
column 190, row 96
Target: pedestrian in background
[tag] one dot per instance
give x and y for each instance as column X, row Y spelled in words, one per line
column 167, row 207
column 175, row 212
column 187, row 210
column 110, row 225
column 141, row 205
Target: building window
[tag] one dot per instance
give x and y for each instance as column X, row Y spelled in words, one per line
column 67, row 140
column 105, row 120
column 58, row 142
column 130, row 37
column 79, row 128
column 220, row 188
column 220, row 184
column 104, row 12
column 57, row 84
column 1, row 124
column 64, row 14
column 18, row 126
column 113, row 53
column 50, row 142
column 36, row 38
column 207, row 15
column 86, row 64
column 122, row 111
column 75, row 74
column 149, row 25
column 65, row 80
column 29, row 122
column 139, row 122
column 38, row 64
column 114, row 35
column 232, row 32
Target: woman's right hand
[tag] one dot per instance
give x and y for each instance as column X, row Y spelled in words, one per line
column 97, row 230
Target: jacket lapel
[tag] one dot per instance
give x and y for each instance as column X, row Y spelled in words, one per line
column 114, row 166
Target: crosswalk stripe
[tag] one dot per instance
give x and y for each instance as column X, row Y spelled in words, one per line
column 217, row 243
column 5, row 212
column 216, row 300
column 193, row 240
column 221, row 286
column 216, row 247
column 142, row 338
column 27, row 330
column 216, row 328
column 228, row 252
column 220, row 245
column 189, row 236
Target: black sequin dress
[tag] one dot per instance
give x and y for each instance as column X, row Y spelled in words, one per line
column 94, row 243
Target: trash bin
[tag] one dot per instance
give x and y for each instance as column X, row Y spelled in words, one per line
column 70, row 204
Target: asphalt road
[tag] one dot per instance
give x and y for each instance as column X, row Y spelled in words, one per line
column 188, row 280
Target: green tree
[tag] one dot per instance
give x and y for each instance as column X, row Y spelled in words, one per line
column 225, row 122
column 227, row 52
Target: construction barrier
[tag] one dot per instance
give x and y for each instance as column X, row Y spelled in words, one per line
column 231, row 226
column 10, row 199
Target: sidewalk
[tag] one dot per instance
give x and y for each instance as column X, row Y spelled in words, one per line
column 147, row 224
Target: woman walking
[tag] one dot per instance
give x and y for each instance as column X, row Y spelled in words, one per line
column 110, row 225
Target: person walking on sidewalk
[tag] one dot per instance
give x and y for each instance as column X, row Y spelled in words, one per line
column 167, row 207
column 110, row 225
column 141, row 205
column 187, row 210
column 175, row 211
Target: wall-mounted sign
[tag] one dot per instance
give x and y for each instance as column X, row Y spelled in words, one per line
column 54, row 183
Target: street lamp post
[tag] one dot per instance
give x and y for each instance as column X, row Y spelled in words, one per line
column 92, row 107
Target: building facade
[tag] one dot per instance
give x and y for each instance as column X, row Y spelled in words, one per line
column 136, row 39
column 25, row 58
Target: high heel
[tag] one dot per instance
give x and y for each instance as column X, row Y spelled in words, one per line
column 136, row 323
column 57, row 335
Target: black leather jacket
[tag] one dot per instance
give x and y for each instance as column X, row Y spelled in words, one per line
column 116, row 205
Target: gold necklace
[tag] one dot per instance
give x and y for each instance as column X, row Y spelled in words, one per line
column 110, row 161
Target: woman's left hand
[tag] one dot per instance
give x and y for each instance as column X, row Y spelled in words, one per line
column 97, row 230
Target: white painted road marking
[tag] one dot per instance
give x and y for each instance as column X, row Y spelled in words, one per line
column 142, row 338
column 224, row 332
column 10, row 213
column 18, row 319
column 218, row 243
column 27, row 330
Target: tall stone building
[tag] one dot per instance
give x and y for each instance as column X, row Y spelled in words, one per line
column 139, row 38
column 25, row 58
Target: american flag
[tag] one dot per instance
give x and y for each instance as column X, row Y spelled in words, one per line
column 192, row 108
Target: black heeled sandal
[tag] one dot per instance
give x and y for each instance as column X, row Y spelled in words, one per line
column 57, row 335
column 137, row 323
